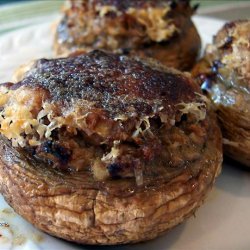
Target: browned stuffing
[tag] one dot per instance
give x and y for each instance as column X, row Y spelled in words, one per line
column 114, row 116
column 142, row 28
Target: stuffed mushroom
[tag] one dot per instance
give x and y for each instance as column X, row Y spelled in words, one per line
column 224, row 73
column 104, row 149
column 162, row 30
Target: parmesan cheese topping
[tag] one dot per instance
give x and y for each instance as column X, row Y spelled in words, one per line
column 158, row 27
column 25, row 110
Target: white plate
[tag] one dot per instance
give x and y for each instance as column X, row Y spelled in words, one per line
column 223, row 222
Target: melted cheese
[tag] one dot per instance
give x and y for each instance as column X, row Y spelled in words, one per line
column 158, row 27
column 195, row 108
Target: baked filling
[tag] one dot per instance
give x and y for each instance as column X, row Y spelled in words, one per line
column 226, row 65
column 111, row 115
column 120, row 25
column 224, row 73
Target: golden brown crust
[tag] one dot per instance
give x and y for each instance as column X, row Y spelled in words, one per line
column 72, row 208
column 162, row 30
column 100, row 78
column 224, row 72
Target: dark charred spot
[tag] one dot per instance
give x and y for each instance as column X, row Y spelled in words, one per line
column 143, row 126
column 60, row 153
column 47, row 147
column 114, row 170
column 30, row 150
column 227, row 43
column 126, row 51
column 163, row 93
column 155, row 123
column 183, row 118
column 54, row 133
